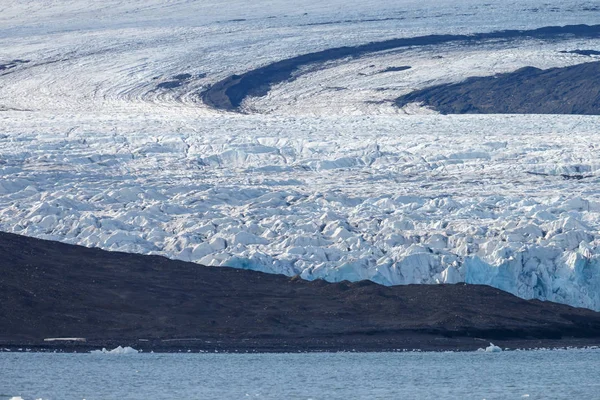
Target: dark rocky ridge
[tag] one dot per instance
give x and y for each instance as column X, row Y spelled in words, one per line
column 53, row 290
column 229, row 93
column 583, row 52
column 12, row 64
column 178, row 80
column 568, row 90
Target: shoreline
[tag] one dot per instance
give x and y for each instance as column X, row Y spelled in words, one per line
column 396, row 345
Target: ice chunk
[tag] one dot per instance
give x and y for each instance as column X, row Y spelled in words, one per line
column 218, row 244
column 200, row 251
column 341, row 233
column 117, row 350
column 492, row 348
column 450, row 275
column 246, row 238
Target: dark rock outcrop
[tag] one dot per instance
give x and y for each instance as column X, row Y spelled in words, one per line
column 568, row 90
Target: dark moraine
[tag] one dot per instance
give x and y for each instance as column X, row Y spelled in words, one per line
column 355, row 21
column 229, row 93
column 396, row 69
column 182, row 77
column 54, row 290
column 569, row 90
column 177, row 81
column 12, row 64
column 583, row 52
column 169, row 85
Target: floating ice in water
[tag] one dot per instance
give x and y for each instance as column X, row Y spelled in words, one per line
column 20, row 398
column 118, row 350
column 492, row 348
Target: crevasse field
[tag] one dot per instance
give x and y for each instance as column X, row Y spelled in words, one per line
column 105, row 142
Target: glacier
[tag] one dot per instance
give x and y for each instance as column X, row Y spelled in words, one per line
column 322, row 177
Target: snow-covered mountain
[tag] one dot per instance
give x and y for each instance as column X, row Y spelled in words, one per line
column 105, row 141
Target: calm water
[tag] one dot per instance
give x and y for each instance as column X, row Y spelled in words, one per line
column 507, row 375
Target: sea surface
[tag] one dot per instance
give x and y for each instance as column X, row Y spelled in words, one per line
column 558, row 374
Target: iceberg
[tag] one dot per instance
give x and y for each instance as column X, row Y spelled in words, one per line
column 492, row 348
column 117, row 350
